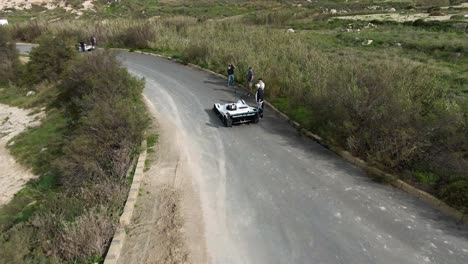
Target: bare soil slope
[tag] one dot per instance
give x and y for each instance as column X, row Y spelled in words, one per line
column 13, row 176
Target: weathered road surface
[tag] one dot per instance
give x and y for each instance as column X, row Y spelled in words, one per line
column 270, row 196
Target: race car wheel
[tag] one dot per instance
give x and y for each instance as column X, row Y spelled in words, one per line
column 228, row 120
column 256, row 119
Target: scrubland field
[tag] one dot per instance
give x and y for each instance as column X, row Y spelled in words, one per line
column 391, row 91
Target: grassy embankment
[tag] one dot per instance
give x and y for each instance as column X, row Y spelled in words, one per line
column 399, row 103
column 81, row 152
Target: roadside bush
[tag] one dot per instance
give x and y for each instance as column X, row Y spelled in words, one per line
column 30, row 31
column 48, row 60
column 456, row 194
column 426, row 178
column 86, row 237
column 104, row 102
column 199, row 52
column 137, row 36
column 9, row 62
column 74, row 225
column 377, row 110
column 70, row 213
column 94, row 78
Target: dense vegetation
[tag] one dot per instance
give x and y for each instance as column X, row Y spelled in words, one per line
column 81, row 152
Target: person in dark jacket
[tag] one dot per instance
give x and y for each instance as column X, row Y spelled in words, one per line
column 250, row 79
column 259, row 96
column 230, row 72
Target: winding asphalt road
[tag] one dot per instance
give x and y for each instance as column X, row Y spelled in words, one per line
column 271, row 196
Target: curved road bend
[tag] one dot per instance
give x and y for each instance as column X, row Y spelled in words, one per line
column 270, row 196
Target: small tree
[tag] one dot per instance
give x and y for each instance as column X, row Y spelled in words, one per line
column 48, row 60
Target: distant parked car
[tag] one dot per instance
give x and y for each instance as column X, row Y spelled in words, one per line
column 3, row 22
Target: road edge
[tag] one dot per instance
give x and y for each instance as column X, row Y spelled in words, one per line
column 115, row 248
column 372, row 172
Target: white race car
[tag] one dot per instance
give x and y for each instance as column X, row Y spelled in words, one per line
column 236, row 113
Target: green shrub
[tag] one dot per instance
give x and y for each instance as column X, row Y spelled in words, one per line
column 9, row 62
column 104, row 102
column 376, row 109
column 30, row 31
column 137, row 36
column 96, row 78
column 426, row 178
column 199, row 52
column 81, row 151
column 456, row 194
column 48, row 60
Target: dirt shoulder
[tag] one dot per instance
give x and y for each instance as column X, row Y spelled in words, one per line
column 167, row 222
column 13, row 121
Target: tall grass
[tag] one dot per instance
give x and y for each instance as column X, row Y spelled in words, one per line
column 393, row 112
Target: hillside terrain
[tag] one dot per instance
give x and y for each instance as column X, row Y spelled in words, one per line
column 55, row 9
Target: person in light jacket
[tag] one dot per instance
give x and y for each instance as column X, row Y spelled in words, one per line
column 93, row 41
column 259, row 96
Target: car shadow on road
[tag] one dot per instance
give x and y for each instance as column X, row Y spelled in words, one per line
column 217, row 82
column 225, row 101
column 227, row 90
column 214, row 120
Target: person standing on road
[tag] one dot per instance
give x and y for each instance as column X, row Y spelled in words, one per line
column 259, row 96
column 230, row 72
column 92, row 40
column 250, row 78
